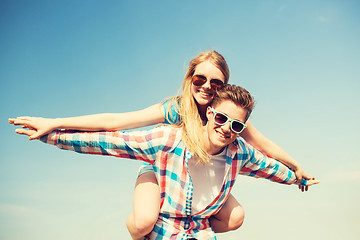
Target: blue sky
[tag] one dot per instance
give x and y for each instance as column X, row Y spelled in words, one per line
column 300, row 60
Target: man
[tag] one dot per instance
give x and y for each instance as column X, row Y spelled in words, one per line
column 191, row 189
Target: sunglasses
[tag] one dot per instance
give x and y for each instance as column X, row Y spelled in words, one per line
column 221, row 119
column 199, row 80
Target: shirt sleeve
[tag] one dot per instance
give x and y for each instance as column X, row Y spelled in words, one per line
column 138, row 145
column 171, row 111
column 260, row 166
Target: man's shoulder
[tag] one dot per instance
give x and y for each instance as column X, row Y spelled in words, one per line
column 170, row 135
column 241, row 146
column 240, row 142
column 169, row 131
column 169, row 128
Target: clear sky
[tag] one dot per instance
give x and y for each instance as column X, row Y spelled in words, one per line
column 300, row 60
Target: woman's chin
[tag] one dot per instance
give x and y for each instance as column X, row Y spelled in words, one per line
column 202, row 100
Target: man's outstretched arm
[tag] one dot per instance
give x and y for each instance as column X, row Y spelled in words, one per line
column 139, row 145
column 260, row 166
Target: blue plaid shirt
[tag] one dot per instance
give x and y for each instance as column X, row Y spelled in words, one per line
column 162, row 147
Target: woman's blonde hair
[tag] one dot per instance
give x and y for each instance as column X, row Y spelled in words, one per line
column 191, row 121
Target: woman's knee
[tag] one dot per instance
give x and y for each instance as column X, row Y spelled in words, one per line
column 145, row 224
column 146, row 203
column 142, row 225
column 236, row 218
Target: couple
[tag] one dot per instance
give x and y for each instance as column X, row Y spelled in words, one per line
column 191, row 189
column 187, row 207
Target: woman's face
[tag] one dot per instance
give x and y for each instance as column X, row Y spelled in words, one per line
column 204, row 94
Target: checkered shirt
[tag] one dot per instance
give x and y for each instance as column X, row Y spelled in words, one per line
column 162, row 147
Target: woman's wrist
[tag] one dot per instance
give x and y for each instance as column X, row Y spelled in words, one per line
column 57, row 123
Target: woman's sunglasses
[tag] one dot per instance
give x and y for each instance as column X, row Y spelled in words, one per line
column 221, row 119
column 199, row 80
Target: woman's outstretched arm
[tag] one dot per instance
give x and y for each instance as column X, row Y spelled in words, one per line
column 96, row 122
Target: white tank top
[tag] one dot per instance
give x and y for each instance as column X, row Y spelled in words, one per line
column 207, row 180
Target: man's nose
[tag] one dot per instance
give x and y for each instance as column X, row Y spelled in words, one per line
column 226, row 127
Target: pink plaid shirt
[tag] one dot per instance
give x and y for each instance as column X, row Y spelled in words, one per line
column 162, row 147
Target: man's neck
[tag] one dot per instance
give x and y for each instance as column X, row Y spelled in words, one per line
column 210, row 149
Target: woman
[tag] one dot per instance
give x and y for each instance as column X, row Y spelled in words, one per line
column 206, row 72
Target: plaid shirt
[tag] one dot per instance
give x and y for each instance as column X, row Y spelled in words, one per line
column 162, row 147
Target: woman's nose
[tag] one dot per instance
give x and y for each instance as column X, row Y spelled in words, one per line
column 207, row 85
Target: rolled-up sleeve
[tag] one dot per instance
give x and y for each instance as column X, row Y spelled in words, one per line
column 260, row 166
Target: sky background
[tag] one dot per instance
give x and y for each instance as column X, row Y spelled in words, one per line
column 300, row 60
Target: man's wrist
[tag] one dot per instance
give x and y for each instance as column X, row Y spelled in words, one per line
column 303, row 182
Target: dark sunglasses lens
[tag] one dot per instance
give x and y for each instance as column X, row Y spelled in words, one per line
column 198, row 80
column 237, row 126
column 220, row 118
column 216, row 83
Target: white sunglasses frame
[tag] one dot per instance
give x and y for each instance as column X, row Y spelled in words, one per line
column 227, row 120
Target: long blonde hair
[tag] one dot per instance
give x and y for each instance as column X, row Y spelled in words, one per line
column 191, row 121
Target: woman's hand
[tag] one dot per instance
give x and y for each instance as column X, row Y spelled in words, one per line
column 37, row 126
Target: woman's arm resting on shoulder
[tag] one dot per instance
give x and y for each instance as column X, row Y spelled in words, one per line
column 96, row 122
column 269, row 148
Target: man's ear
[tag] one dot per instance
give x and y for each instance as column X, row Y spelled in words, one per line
column 208, row 113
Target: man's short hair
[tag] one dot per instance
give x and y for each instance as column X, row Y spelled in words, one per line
column 238, row 95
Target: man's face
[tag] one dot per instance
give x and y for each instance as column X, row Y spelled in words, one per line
column 220, row 136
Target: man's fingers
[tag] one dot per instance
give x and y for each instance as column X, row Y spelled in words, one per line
column 309, row 183
column 312, row 182
column 309, row 177
column 25, row 132
column 22, row 131
column 35, row 136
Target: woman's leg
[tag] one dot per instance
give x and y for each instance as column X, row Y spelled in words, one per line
column 146, row 206
column 230, row 217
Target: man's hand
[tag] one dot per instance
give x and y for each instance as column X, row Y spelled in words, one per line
column 310, row 182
